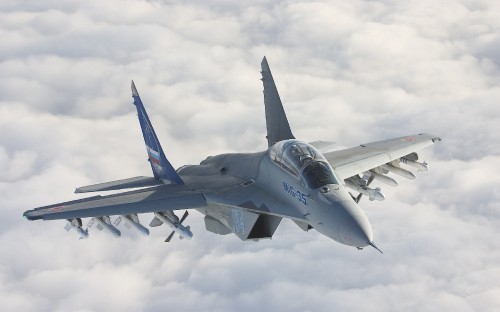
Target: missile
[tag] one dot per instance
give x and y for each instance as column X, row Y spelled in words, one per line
column 77, row 225
column 132, row 221
column 175, row 224
column 373, row 194
column 384, row 179
column 399, row 171
column 105, row 223
column 415, row 164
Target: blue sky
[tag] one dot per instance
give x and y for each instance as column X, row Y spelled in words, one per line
column 350, row 72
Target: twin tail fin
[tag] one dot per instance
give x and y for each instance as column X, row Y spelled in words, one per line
column 162, row 169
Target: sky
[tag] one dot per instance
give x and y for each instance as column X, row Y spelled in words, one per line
column 347, row 71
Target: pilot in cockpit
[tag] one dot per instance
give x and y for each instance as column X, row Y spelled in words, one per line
column 301, row 157
column 305, row 159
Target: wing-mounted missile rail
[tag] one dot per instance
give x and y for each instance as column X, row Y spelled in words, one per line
column 170, row 219
column 411, row 160
column 132, row 221
column 104, row 223
column 380, row 174
column 396, row 169
column 77, row 225
column 361, row 186
column 381, row 177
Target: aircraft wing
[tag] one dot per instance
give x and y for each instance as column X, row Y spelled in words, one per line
column 227, row 191
column 352, row 161
column 161, row 198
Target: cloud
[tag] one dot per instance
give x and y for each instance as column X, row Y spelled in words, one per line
column 350, row 72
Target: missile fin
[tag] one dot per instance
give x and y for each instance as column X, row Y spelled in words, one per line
column 184, row 216
column 170, row 237
column 155, row 222
column 91, row 223
column 68, row 226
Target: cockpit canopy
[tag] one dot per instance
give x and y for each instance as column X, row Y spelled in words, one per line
column 303, row 161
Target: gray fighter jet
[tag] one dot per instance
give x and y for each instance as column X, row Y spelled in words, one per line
column 249, row 193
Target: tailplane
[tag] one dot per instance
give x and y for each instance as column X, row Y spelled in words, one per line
column 278, row 128
column 162, row 169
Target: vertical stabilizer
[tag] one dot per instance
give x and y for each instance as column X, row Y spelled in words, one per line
column 277, row 125
column 162, row 169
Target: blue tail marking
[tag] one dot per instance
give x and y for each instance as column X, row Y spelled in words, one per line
column 162, row 169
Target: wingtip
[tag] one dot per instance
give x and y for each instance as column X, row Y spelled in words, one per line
column 134, row 89
column 32, row 215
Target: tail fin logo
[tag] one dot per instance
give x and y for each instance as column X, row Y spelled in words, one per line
column 152, row 147
column 154, row 156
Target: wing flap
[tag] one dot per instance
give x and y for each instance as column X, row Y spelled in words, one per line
column 356, row 160
column 155, row 222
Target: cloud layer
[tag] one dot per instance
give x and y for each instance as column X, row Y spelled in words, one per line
column 350, row 72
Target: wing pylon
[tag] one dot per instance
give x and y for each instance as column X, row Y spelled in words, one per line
column 171, row 220
column 360, row 166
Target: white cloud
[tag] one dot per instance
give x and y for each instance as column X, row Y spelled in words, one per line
column 351, row 72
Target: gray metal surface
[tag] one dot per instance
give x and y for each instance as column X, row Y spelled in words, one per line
column 356, row 160
column 277, row 125
column 248, row 194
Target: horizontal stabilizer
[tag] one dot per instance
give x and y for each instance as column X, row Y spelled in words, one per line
column 120, row 184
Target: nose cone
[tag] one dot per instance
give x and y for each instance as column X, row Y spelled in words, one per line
column 355, row 228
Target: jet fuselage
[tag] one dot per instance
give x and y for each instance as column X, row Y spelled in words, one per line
column 329, row 208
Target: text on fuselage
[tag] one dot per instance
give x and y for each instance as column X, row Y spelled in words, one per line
column 295, row 193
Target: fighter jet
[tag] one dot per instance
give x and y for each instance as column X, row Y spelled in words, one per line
column 248, row 194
